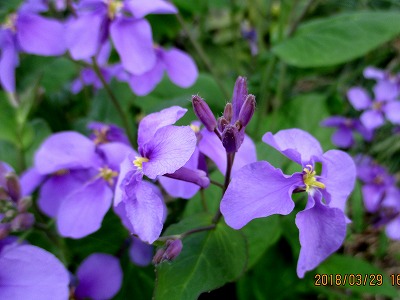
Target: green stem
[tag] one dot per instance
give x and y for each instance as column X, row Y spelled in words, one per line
column 203, row 56
column 115, row 102
column 203, row 200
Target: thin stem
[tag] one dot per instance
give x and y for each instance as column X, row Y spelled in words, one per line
column 200, row 229
column 203, row 200
column 230, row 157
column 217, row 183
column 203, row 56
column 296, row 23
column 115, row 102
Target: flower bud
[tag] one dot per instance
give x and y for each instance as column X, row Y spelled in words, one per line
column 4, row 230
column 204, row 113
column 222, row 122
column 171, row 251
column 22, row 221
column 230, row 139
column 24, row 204
column 239, row 95
column 13, row 186
column 247, row 110
column 228, row 112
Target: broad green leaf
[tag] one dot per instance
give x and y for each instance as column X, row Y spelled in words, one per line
column 8, row 122
column 346, row 265
column 338, row 39
column 260, row 235
column 209, row 259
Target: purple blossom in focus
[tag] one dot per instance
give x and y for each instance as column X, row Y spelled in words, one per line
column 27, row 31
column 260, row 190
column 29, row 272
column 124, row 22
column 163, row 149
column 346, row 127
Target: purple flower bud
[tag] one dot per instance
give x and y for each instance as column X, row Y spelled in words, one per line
column 4, row 230
column 228, row 112
column 230, row 139
column 174, row 248
column 158, row 257
column 222, row 122
column 239, row 96
column 3, row 194
column 247, row 110
column 204, row 113
column 24, row 204
column 22, row 222
column 13, row 186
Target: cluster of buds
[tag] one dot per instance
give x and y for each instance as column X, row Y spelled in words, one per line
column 237, row 114
column 13, row 207
column 169, row 252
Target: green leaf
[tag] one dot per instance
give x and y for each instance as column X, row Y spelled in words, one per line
column 260, row 235
column 346, row 265
column 8, row 121
column 338, row 39
column 208, row 260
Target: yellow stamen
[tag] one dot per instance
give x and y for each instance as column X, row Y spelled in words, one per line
column 138, row 162
column 114, row 7
column 10, row 22
column 61, row 172
column 108, row 175
column 309, row 178
column 195, row 128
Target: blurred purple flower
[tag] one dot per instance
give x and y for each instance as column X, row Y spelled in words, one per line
column 343, row 137
column 163, row 149
column 124, row 22
column 31, row 33
column 107, row 133
column 29, row 272
column 260, row 190
column 79, row 180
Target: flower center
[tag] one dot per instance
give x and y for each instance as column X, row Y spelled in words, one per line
column 114, row 6
column 10, row 22
column 138, row 162
column 108, row 175
column 195, row 128
column 309, row 178
column 101, row 135
column 377, row 105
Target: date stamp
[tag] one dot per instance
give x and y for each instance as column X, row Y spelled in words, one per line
column 352, row 279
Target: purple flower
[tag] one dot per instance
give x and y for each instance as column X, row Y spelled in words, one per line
column 123, row 21
column 180, row 68
column 163, row 149
column 343, row 137
column 260, row 190
column 107, row 133
column 28, row 32
column 80, row 180
column 99, row 277
column 29, row 272
column 374, row 112
column 376, row 182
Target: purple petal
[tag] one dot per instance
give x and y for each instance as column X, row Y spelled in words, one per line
column 338, row 175
column 170, row 148
column 39, row 35
column 374, row 73
column 145, row 83
column 393, row 229
column 83, row 35
column 30, row 180
column 5, row 168
column 134, row 43
column 386, row 90
column 82, row 212
column 141, row 8
column 212, row 147
column 392, row 111
column 65, row 150
column 343, row 137
column 146, row 212
column 152, row 122
column 100, row 277
column 8, row 60
column 125, row 169
column 372, row 197
column 334, row 121
column 372, row 119
column 56, row 188
column 359, row 98
column 296, row 144
column 114, row 153
column 239, row 96
column 322, row 232
column 140, row 253
column 181, row 68
column 367, row 134
column 258, row 190
column 34, row 6
column 29, row 272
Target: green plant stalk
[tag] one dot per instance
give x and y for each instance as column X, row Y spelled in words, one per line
column 115, row 102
